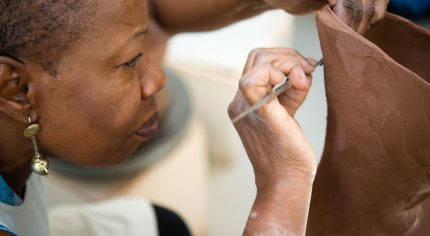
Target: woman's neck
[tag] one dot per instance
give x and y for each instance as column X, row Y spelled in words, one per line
column 15, row 158
column 17, row 179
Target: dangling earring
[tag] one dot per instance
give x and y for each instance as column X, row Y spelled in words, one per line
column 39, row 164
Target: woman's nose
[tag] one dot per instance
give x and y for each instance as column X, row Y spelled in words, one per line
column 152, row 81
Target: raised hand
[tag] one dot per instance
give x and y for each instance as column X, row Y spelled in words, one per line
column 283, row 160
column 359, row 14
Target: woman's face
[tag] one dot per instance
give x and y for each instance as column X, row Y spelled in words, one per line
column 101, row 106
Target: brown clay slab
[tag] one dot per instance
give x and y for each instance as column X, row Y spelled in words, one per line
column 375, row 170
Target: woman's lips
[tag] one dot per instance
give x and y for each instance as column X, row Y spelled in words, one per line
column 149, row 128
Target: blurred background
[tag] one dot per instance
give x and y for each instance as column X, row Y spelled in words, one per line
column 197, row 165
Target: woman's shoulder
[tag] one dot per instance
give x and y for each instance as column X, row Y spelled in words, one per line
column 23, row 216
column 8, row 199
column 7, row 195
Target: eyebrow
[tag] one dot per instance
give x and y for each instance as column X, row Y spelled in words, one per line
column 141, row 33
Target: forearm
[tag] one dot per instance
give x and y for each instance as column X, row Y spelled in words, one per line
column 297, row 7
column 282, row 210
column 201, row 15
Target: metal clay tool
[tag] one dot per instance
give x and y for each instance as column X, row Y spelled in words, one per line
column 276, row 91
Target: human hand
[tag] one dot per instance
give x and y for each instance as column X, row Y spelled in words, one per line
column 359, row 14
column 275, row 143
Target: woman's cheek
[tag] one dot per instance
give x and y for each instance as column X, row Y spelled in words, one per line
column 125, row 107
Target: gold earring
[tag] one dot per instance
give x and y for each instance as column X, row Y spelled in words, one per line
column 39, row 163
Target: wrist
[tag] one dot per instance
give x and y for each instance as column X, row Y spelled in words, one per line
column 299, row 181
column 282, row 207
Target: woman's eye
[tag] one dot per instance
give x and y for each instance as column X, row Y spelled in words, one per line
column 133, row 61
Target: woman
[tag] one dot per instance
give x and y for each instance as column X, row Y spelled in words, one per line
column 75, row 84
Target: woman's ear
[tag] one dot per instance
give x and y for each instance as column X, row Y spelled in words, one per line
column 14, row 90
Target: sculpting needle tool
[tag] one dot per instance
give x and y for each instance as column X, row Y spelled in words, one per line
column 276, row 91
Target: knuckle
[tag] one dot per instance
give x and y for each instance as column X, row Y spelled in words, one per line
column 244, row 85
column 294, row 51
column 233, row 108
column 262, row 57
column 251, row 54
column 255, row 51
column 291, row 52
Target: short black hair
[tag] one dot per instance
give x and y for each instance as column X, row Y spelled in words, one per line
column 40, row 31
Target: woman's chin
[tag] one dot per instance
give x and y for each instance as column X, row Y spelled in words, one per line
column 107, row 160
column 117, row 159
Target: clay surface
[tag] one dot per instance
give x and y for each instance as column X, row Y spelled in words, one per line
column 375, row 171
